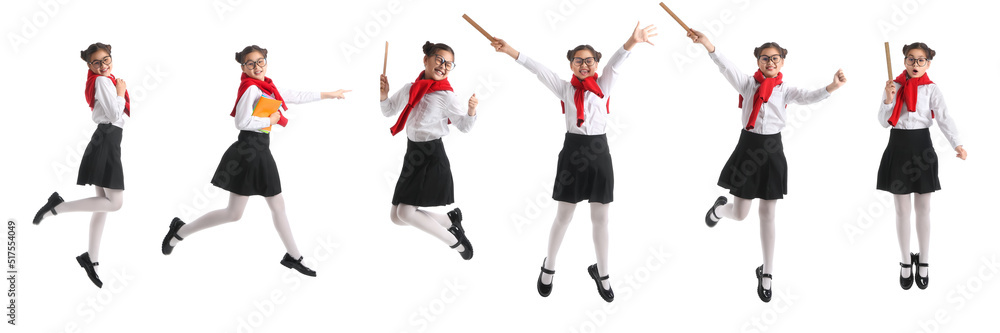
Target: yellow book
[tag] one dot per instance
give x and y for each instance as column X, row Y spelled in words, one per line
column 264, row 108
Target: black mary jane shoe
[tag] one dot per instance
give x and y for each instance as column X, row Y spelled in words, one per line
column 711, row 212
column 296, row 264
column 764, row 294
column 459, row 233
column 84, row 261
column 921, row 281
column 607, row 294
column 50, row 205
column 175, row 225
column 906, row 282
column 544, row 289
column 455, row 215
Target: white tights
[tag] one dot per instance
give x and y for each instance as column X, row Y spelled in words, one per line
column 432, row 223
column 739, row 209
column 234, row 211
column 921, row 206
column 564, row 214
column 107, row 200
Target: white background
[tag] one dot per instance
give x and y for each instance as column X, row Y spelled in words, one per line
column 674, row 123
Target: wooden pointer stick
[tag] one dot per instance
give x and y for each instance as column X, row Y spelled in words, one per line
column 675, row 17
column 888, row 62
column 474, row 25
column 385, row 61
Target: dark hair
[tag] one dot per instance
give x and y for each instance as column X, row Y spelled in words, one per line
column 85, row 54
column 431, row 48
column 247, row 50
column 572, row 53
column 781, row 51
column 918, row 45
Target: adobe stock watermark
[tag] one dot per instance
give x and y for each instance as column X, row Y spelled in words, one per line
column 139, row 91
column 781, row 302
column 900, row 12
column 561, row 12
column 536, row 204
column 32, row 24
column 291, row 281
column 960, row 296
column 624, row 287
column 426, row 314
column 370, row 30
column 713, row 28
column 115, row 282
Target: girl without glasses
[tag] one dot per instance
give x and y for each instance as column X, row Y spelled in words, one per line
column 247, row 167
column 910, row 104
column 757, row 168
column 101, row 164
column 428, row 105
column 585, row 100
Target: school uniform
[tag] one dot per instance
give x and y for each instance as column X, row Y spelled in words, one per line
column 425, row 179
column 909, row 163
column 247, row 167
column 101, row 164
column 757, row 168
column 584, row 170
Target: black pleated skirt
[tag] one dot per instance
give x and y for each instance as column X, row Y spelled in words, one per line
column 425, row 180
column 584, row 170
column 757, row 169
column 101, row 164
column 247, row 167
column 909, row 163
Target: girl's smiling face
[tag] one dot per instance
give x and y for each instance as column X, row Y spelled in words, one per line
column 255, row 65
column 584, row 64
column 438, row 66
column 917, row 62
column 100, row 63
column 770, row 62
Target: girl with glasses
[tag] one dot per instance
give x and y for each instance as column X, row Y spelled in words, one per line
column 426, row 107
column 757, row 168
column 247, row 168
column 101, row 164
column 909, row 167
column 584, row 170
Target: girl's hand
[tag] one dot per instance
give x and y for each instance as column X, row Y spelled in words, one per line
column 640, row 35
column 501, row 45
column 275, row 117
column 838, row 80
column 890, row 92
column 961, row 152
column 120, row 87
column 383, row 87
column 699, row 38
column 473, row 102
column 339, row 94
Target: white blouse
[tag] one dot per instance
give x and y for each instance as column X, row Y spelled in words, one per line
column 771, row 118
column 595, row 117
column 245, row 121
column 929, row 100
column 428, row 120
column 109, row 108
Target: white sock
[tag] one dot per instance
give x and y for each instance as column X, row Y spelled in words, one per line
column 599, row 217
column 277, row 205
column 922, row 208
column 412, row 215
column 902, row 204
column 766, row 213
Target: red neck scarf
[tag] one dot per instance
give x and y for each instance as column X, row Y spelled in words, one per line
column 90, row 90
column 266, row 86
column 762, row 95
column 907, row 94
column 419, row 88
column 581, row 86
